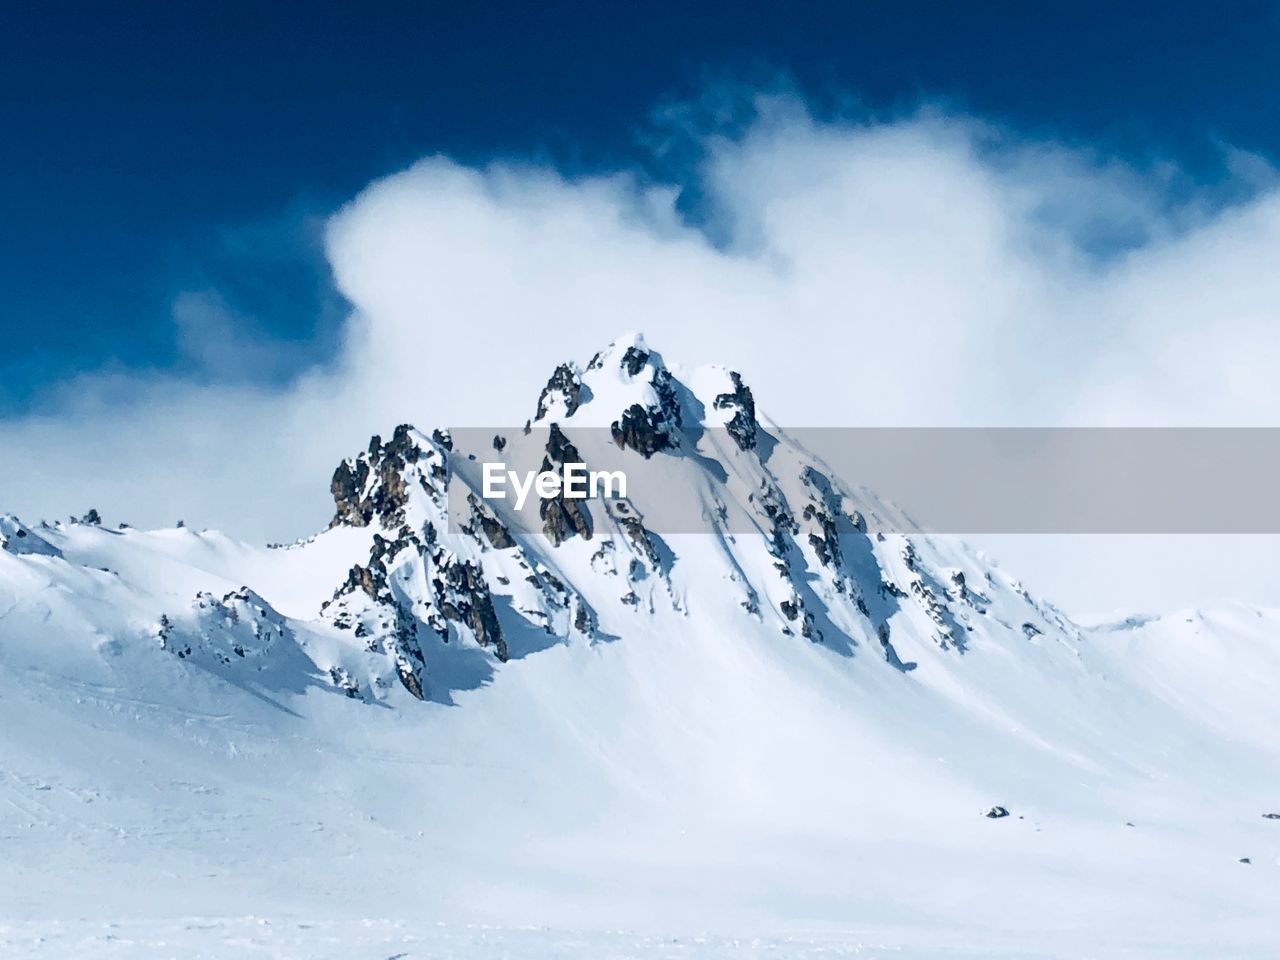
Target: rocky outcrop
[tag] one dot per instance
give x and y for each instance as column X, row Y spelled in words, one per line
column 494, row 530
column 742, row 426
column 781, row 526
column 640, row 429
column 367, row 605
column 463, row 597
column 347, row 487
column 653, row 426
column 562, row 517
column 820, row 515
column 564, row 389
column 373, row 485
column 443, row 572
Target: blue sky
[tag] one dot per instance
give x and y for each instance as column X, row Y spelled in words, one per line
column 154, row 149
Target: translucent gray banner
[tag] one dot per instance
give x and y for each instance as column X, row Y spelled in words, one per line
column 914, row 480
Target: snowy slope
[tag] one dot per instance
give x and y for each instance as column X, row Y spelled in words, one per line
column 777, row 725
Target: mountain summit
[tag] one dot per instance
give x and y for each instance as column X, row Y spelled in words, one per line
column 729, row 699
column 769, row 543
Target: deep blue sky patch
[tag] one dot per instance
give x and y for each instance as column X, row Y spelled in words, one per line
column 148, row 149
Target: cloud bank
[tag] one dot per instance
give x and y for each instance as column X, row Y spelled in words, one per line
column 925, row 270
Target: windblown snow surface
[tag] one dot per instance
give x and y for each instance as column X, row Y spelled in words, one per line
column 405, row 739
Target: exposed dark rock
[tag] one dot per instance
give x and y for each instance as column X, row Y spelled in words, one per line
column 559, row 449
column 642, row 429
column 793, row 610
column 459, row 594
column 826, row 546
column 584, row 619
column 639, row 536
column 373, row 485
column 742, row 427
column 553, row 583
column 808, row 630
column 821, row 510
column 653, row 428
column 344, row 682
column 463, row 596
column 562, row 517
column 165, row 632
column 362, row 578
column 495, row 530
column 564, row 383
column 372, row 579
column 410, row 680
column 781, row 523
column 929, row 601
column 634, row 360
column 347, row 488
column 996, row 813
column 392, row 493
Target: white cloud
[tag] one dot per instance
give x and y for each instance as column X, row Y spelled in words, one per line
column 930, row 269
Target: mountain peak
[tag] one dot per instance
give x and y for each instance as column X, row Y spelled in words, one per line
column 452, row 661
column 629, row 350
column 430, row 578
column 447, row 569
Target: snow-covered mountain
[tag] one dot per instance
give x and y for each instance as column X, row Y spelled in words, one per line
column 760, row 717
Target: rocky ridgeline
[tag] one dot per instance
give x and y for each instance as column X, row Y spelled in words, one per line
column 412, row 582
column 422, row 587
column 426, row 592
